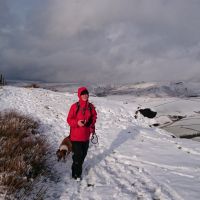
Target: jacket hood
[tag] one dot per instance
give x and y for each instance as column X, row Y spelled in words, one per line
column 81, row 89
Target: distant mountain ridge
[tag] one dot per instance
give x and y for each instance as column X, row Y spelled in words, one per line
column 153, row 89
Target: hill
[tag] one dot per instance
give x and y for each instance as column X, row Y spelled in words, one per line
column 132, row 160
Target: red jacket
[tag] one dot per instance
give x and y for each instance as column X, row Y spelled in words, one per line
column 78, row 133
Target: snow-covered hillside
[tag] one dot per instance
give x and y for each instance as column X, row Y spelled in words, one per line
column 132, row 160
column 152, row 89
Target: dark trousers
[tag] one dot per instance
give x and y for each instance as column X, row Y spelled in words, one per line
column 79, row 150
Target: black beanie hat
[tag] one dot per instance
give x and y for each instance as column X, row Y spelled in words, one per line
column 84, row 92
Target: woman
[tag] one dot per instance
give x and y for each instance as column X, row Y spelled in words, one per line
column 81, row 119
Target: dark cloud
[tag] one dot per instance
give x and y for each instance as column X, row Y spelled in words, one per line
column 100, row 41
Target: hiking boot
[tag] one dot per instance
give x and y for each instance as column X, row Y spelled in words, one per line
column 78, row 179
column 75, row 176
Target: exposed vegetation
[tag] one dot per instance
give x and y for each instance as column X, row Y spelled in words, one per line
column 22, row 152
column 33, row 85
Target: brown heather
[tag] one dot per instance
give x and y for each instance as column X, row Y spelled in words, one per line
column 22, row 151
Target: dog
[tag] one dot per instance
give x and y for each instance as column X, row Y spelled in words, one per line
column 65, row 149
column 146, row 116
column 147, row 112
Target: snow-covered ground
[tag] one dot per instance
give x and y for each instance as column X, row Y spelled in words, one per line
column 168, row 108
column 131, row 161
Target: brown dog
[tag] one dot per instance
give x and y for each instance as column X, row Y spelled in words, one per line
column 64, row 149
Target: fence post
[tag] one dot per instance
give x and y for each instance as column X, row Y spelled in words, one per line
column 1, row 79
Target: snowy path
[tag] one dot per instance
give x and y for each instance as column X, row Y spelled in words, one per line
column 132, row 161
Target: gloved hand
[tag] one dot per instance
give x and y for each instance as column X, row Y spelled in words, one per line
column 81, row 123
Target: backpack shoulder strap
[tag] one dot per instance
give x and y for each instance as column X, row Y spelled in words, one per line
column 90, row 106
column 77, row 107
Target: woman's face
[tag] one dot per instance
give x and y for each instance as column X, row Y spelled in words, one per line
column 84, row 97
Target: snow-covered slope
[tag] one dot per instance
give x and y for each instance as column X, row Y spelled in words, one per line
column 132, row 160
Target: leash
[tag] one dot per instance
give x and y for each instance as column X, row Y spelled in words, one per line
column 94, row 139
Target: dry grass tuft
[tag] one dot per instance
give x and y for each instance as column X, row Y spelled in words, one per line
column 33, row 85
column 22, row 151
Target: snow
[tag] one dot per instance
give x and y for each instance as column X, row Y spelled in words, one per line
column 131, row 161
column 158, row 89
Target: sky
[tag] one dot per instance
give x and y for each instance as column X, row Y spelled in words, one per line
column 100, row 41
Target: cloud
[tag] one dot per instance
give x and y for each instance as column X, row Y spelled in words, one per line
column 100, row 41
